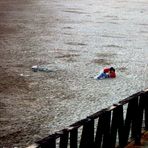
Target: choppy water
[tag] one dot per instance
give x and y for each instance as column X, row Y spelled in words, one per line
column 76, row 39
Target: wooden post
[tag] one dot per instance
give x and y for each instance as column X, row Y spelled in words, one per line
column 128, row 121
column 64, row 139
column 102, row 138
column 117, row 125
column 135, row 112
column 74, row 138
column 145, row 97
column 87, row 138
column 138, row 125
column 47, row 142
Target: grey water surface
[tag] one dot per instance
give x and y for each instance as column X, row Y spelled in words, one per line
column 75, row 39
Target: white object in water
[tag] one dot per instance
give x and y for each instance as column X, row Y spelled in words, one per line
column 35, row 68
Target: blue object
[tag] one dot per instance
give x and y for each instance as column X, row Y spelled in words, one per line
column 103, row 76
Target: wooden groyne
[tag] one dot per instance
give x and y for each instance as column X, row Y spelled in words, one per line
column 111, row 127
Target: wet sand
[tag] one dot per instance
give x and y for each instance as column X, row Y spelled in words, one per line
column 75, row 39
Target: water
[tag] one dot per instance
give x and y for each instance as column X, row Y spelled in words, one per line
column 77, row 38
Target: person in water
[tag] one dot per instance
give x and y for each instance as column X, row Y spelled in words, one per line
column 107, row 73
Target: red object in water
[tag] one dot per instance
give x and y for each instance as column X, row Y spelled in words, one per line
column 112, row 74
column 106, row 70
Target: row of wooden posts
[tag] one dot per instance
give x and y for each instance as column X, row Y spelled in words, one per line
column 109, row 128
